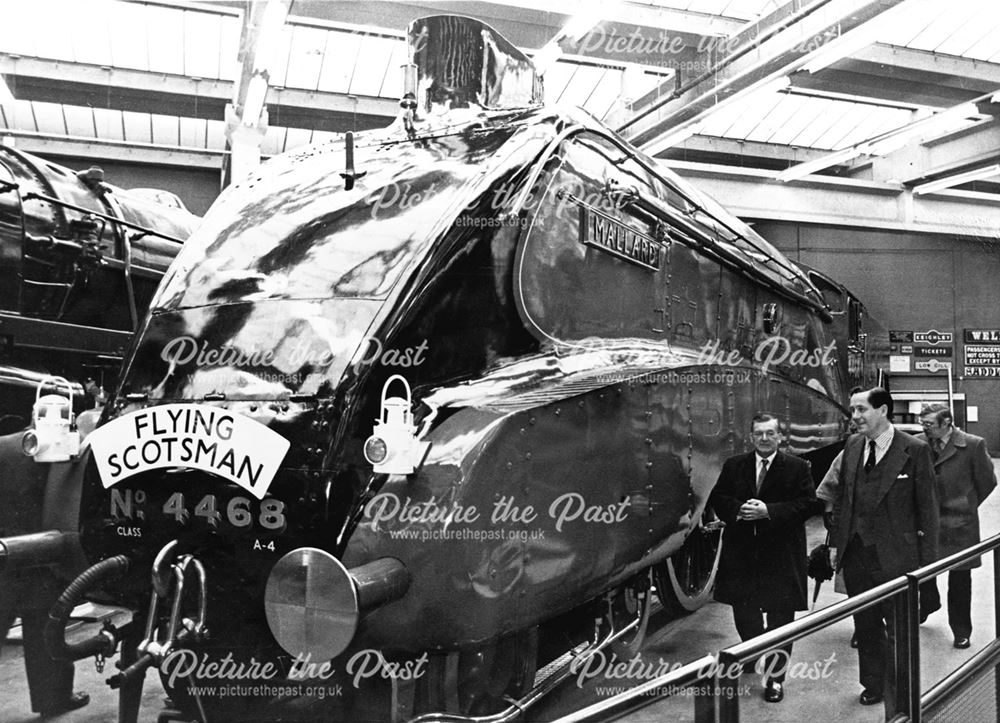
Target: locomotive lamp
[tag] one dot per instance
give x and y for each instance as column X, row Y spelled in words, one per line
column 393, row 447
column 52, row 437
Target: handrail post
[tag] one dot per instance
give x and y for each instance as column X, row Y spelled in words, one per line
column 727, row 688
column 996, row 620
column 704, row 701
column 909, row 696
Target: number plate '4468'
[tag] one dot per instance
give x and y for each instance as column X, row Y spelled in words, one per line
column 268, row 514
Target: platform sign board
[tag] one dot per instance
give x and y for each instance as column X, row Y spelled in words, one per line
column 933, row 350
column 933, row 337
column 899, row 364
column 932, row 365
column 982, row 360
column 982, row 336
column 897, row 336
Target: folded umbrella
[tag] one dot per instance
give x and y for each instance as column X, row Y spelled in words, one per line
column 819, row 567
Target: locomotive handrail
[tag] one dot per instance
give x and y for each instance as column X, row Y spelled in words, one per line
column 32, row 195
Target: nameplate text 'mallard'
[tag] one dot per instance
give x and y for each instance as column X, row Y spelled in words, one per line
column 612, row 236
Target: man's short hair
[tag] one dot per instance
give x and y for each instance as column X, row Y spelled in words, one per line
column 763, row 417
column 941, row 412
column 879, row 397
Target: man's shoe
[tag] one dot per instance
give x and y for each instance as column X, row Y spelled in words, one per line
column 962, row 643
column 854, row 640
column 869, row 697
column 774, row 692
column 77, row 700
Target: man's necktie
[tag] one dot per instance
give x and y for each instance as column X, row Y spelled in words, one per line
column 936, row 447
column 763, row 473
column 870, row 462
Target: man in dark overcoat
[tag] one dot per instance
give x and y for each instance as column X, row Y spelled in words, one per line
column 965, row 478
column 764, row 498
column 884, row 524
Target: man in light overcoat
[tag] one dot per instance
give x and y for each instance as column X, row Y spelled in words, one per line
column 965, row 478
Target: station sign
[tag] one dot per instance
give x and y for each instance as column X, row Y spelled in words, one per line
column 932, row 365
column 982, row 355
column 982, row 336
column 933, row 337
column 897, row 336
column 933, row 350
column 899, row 364
column 906, row 348
column 991, row 372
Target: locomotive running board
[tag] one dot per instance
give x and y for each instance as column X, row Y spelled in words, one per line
column 545, row 682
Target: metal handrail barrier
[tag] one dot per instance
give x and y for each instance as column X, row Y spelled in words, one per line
column 904, row 593
column 701, row 671
column 950, row 685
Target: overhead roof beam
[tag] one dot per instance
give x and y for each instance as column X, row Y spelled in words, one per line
column 753, row 194
column 904, row 75
column 776, row 46
column 955, row 152
column 142, row 91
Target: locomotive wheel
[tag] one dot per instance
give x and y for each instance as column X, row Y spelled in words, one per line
column 630, row 604
column 685, row 580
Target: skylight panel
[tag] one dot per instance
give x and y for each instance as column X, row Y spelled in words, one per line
column 109, row 124
column 342, row 52
column 165, row 39
column 201, row 38
column 370, row 72
column 306, row 61
column 79, row 121
column 166, row 129
column 193, row 132
column 137, row 127
column 128, row 47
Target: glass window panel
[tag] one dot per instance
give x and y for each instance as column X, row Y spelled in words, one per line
column 846, row 120
column 273, row 142
column 56, row 41
column 971, row 31
column 49, row 117
column 940, row 30
column 165, row 39
column 137, row 127
column 20, row 115
column 558, row 75
column 229, row 48
column 580, row 86
column 806, row 113
column 392, row 83
column 216, row 135
column 128, row 39
column 306, row 61
column 18, row 32
column 866, row 122
column 775, row 120
column 193, row 132
column 370, row 72
column 201, row 44
column 91, row 41
column 754, row 110
column 818, row 129
column 608, row 90
column 166, row 129
column 296, row 137
column 109, row 124
column 79, row 121
column 275, row 56
column 342, row 51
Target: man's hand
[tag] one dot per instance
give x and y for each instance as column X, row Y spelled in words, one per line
column 753, row 509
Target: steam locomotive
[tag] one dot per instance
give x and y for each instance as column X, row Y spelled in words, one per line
column 431, row 410
column 79, row 262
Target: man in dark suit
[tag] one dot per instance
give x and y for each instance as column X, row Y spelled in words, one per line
column 965, row 478
column 764, row 498
column 884, row 524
